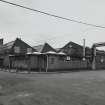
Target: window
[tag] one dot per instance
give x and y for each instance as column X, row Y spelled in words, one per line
column 29, row 49
column 68, row 58
column 17, row 49
column 70, row 46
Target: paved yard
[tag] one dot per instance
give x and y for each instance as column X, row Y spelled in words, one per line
column 74, row 88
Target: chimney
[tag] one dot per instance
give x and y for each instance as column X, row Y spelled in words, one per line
column 1, row 42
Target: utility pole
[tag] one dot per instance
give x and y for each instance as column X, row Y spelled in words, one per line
column 94, row 60
column 47, row 63
column 84, row 54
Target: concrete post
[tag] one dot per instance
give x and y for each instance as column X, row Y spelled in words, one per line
column 47, row 63
column 94, row 60
column 83, row 49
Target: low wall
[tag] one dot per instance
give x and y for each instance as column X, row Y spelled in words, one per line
column 25, row 63
column 64, row 65
column 100, row 65
column 19, row 64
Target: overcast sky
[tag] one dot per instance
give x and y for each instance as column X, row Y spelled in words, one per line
column 35, row 28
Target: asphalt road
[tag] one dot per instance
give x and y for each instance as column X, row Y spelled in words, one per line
column 71, row 88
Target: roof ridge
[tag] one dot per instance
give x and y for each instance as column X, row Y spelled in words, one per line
column 69, row 43
column 38, row 45
column 43, row 46
column 9, row 42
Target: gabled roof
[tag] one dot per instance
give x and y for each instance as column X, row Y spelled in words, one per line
column 8, row 46
column 44, row 48
column 72, row 49
column 57, row 49
column 18, row 39
column 76, row 50
column 38, row 48
column 71, row 44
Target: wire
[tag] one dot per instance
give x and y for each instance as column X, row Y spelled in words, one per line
column 56, row 16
